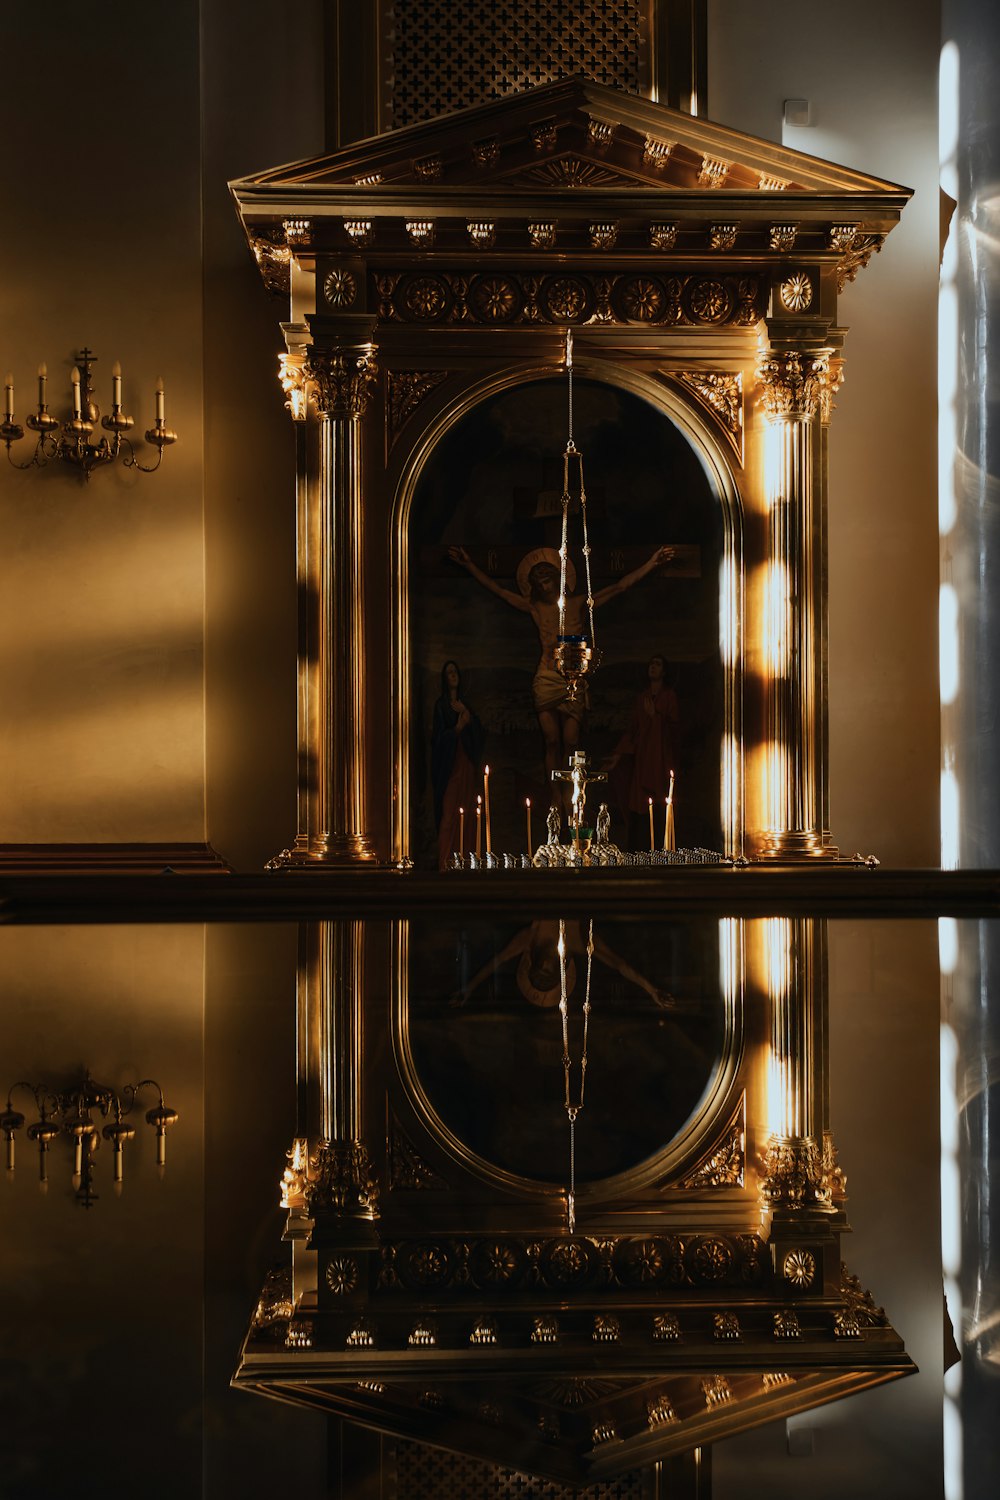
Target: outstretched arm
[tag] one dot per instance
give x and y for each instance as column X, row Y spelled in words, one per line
column 660, row 556
column 518, row 944
column 459, row 555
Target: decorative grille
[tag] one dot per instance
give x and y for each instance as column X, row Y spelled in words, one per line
column 431, row 1474
column 442, row 55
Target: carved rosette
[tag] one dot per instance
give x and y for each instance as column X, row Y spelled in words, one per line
column 792, row 1174
column 341, row 380
column 342, row 1183
column 793, row 384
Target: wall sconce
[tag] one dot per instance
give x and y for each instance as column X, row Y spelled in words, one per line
column 74, row 445
column 71, row 1112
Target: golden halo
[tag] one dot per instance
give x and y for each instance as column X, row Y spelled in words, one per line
column 543, row 998
column 543, row 554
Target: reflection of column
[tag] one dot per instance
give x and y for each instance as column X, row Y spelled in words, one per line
column 341, row 1182
column 337, row 370
column 796, row 387
column 793, row 1168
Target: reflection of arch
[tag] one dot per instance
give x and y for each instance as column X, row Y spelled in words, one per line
column 444, row 1146
column 441, row 413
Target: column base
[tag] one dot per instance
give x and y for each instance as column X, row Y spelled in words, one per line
column 333, row 851
column 792, row 844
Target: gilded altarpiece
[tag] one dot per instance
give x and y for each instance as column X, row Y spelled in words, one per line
column 455, row 1279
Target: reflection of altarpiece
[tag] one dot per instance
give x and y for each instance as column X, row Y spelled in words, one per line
column 435, row 1293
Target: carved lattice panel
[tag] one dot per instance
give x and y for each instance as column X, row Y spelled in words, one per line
column 447, row 54
column 431, row 1474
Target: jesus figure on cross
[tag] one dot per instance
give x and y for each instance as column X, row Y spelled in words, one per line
column 560, row 717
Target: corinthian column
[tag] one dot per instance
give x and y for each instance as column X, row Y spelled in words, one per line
column 796, row 387
column 330, row 374
column 795, row 964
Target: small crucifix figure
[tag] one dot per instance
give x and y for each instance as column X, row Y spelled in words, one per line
column 580, row 778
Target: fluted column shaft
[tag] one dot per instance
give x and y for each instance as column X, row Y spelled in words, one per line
column 328, row 374
column 795, row 391
column 794, row 1175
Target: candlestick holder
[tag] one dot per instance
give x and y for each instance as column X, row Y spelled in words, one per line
column 74, row 445
column 70, row 1112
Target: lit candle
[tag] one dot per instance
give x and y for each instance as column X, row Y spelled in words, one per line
column 527, row 816
column 479, row 827
column 159, row 399
column 461, row 830
column 43, row 371
column 116, row 385
column 652, row 840
column 486, row 789
column 75, row 378
column 9, row 398
column 669, row 841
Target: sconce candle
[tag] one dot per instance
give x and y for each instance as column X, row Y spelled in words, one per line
column 74, row 444
column 70, row 1112
column 461, row 830
column 527, row 818
column 486, row 792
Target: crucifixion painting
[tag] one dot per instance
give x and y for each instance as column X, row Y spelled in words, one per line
column 483, row 534
column 560, row 714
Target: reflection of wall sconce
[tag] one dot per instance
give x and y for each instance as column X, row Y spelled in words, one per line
column 73, row 446
column 70, row 1112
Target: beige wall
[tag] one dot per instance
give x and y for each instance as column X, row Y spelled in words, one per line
column 101, row 609
column 870, row 74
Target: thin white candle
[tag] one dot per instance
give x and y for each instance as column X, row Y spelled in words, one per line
column 43, row 371
column 9, row 398
column 527, row 815
column 116, row 384
column 461, row 830
column 486, row 789
column 652, row 839
column 75, row 379
column 479, row 827
column 159, row 399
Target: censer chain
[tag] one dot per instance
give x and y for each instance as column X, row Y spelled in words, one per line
column 572, row 1110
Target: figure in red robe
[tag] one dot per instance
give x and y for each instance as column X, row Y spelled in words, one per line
column 456, row 774
column 646, row 752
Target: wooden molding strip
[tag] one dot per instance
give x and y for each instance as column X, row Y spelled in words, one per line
column 111, row 859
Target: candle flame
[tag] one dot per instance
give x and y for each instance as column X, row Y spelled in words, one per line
column 527, row 801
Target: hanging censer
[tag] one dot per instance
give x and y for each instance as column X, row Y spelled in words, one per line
column 573, row 1106
column 575, row 654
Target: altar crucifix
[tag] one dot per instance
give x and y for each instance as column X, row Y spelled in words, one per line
column 579, row 779
column 560, row 715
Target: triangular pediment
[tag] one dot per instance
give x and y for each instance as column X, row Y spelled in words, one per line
column 521, row 141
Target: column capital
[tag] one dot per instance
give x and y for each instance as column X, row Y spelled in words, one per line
column 793, row 1174
column 798, row 383
column 340, row 362
column 291, row 369
column 342, row 1183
